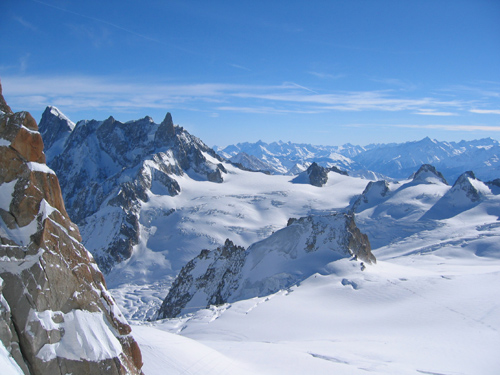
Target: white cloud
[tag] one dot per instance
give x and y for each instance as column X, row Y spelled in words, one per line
column 431, row 112
column 119, row 94
column 486, row 111
column 266, row 110
column 326, row 75
column 467, row 128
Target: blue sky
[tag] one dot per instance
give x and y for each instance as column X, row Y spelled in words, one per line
column 321, row 72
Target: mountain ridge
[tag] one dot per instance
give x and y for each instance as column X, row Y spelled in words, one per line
column 379, row 161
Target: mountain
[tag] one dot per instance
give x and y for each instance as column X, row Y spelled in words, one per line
column 393, row 161
column 55, row 129
column 466, row 193
column 316, row 175
column 56, row 314
column 229, row 273
column 143, row 222
column 431, row 289
column 108, row 168
column 288, row 158
column 251, row 163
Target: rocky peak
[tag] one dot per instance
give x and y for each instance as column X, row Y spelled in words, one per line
column 55, row 128
column 115, row 167
column 56, row 315
column 165, row 132
column 229, row 273
column 374, row 193
column 428, row 174
column 318, row 176
column 211, row 272
column 468, row 184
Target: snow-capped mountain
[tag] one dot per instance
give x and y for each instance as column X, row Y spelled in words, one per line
column 251, row 163
column 426, row 307
column 56, row 314
column 291, row 158
column 55, row 129
column 431, row 289
column 108, row 168
column 382, row 161
column 451, row 158
column 229, row 273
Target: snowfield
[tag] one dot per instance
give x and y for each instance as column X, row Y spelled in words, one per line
column 246, row 207
column 429, row 306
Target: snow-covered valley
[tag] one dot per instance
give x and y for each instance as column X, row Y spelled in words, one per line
column 304, row 296
column 429, row 305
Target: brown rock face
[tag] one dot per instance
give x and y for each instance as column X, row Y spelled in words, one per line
column 51, row 284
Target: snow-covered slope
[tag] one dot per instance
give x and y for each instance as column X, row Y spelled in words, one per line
column 145, row 222
column 290, row 255
column 109, row 169
column 429, row 306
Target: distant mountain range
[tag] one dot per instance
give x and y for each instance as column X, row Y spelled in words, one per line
column 376, row 161
column 148, row 197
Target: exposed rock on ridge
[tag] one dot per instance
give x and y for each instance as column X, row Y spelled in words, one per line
column 316, row 175
column 56, row 315
column 290, row 255
column 115, row 167
column 427, row 173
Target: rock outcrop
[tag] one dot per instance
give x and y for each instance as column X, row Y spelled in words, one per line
column 56, row 315
column 428, row 174
column 316, row 175
column 55, row 128
column 374, row 193
column 287, row 257
column 108, row 169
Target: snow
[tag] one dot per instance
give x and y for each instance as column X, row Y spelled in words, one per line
column 4, row 142
column 86, row 336
column 56, row 112
column 246, row 207
column 427, row 314
column 429, row 305
column 39, row 167
column 6, row 191
column 20, row 235
column 7, row 363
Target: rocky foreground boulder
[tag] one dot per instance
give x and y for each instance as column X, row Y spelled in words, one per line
column 290, row 255
column 56, row 315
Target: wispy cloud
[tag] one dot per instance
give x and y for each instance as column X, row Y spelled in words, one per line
column 117, row 27
column 266, row 110
column 399, row 83
column 432, row 112
column 454, row 128
column 326, row 75
column 240, row 67
column 120, row 94
column 26, row 24
column 486, row 111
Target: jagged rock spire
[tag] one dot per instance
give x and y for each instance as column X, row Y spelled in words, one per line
column 165, row 131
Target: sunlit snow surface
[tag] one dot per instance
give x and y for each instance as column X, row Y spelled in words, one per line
column 431, row 304
column 246, row 208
